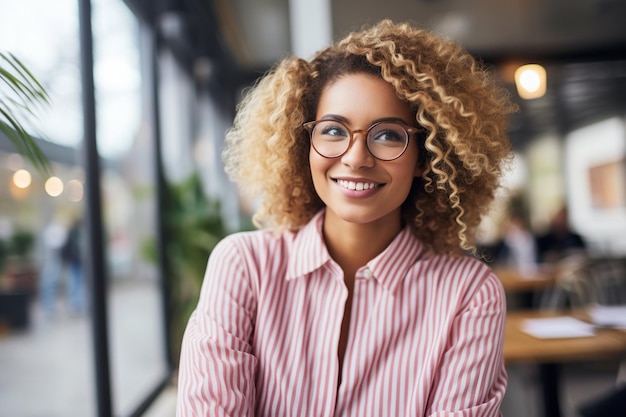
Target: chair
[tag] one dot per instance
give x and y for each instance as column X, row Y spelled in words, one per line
column 582, row 282
column 571, row 286
column 607, row 281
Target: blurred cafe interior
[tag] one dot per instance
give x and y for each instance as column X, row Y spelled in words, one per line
column 102, row 253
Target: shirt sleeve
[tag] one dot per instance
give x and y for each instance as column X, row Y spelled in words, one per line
column 217, row 367
column 472, row 378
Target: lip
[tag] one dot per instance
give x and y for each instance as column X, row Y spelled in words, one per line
column 357, row 187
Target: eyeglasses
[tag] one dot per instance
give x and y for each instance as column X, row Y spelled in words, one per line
column 386, row 140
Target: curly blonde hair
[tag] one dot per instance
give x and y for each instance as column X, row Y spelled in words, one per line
column 454, row 98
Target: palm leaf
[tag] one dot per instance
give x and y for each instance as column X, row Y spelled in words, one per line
column 21, row 92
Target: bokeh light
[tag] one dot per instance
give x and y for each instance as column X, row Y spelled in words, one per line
column 54, row 186
column 74, row 190
column 22, row 178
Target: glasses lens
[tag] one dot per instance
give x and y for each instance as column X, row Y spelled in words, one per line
column 387, row 140
column 330, row 138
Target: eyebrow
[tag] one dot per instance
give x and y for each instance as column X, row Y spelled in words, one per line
column 346, row 121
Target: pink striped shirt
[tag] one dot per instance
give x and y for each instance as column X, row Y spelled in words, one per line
column 425, row 335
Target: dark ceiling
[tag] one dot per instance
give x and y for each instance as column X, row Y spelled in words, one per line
column 582, row 44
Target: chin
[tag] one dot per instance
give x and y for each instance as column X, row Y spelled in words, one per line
column 363, row 216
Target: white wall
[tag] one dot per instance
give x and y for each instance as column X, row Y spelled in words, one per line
column 594, row 145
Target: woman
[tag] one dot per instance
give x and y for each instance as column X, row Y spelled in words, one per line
column 375, row 162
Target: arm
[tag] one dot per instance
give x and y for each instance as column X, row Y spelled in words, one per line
column 216, row 373
column 472, row 378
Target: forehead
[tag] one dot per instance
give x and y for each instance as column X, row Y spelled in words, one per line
column 361, row 96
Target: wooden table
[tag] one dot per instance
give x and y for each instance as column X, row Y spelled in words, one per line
column 548, row 354
column 527, row 289
column 516, row 281
column 522, row 347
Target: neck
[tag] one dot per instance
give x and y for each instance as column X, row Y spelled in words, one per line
column 352, row 245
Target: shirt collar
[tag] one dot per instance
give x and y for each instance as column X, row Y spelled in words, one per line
column 389, row 267
column 309, row 249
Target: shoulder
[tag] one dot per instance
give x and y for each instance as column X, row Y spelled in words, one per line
column 253, row 242
column 459, row 267
column 463, row 275
column 254, row 249
column 275, row 245
column 243, row 261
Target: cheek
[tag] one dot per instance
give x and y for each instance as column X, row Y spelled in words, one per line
column 318, row 163
column 319, row 171
column 315, row 166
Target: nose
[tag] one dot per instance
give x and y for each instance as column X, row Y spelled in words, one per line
column 358, row 155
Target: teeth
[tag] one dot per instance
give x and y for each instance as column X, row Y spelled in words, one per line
column 351, row 185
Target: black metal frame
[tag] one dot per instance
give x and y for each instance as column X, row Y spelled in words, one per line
column 95, row 263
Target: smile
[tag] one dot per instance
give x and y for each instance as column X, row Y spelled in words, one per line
column 358, row 186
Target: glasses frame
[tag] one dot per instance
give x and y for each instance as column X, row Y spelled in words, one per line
column 409, row 130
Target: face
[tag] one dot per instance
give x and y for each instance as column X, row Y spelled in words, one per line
column 356, row 187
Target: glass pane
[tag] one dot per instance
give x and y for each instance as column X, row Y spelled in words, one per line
column 126, row 145
column 45, row 331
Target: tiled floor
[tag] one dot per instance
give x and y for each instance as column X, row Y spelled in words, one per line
column 47, row 369
column 164, row 405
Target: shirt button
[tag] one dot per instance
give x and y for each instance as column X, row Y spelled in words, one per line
column 367, row 273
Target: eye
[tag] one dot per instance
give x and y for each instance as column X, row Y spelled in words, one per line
column 332, row 130
column 388, row 134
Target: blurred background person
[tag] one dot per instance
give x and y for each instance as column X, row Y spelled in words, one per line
column 54, row 237
column 517, row 247
column 559, row 241
column 72, row 260
column 62, row 268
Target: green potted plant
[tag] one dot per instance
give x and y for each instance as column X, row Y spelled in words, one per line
column 20, row 92
column 192, row 226
column 19, row 272
column 18, row 280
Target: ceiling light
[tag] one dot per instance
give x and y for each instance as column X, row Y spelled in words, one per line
column 530, row 81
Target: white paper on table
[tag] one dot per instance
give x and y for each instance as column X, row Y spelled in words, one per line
column 557, row 327
column 609, row 316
